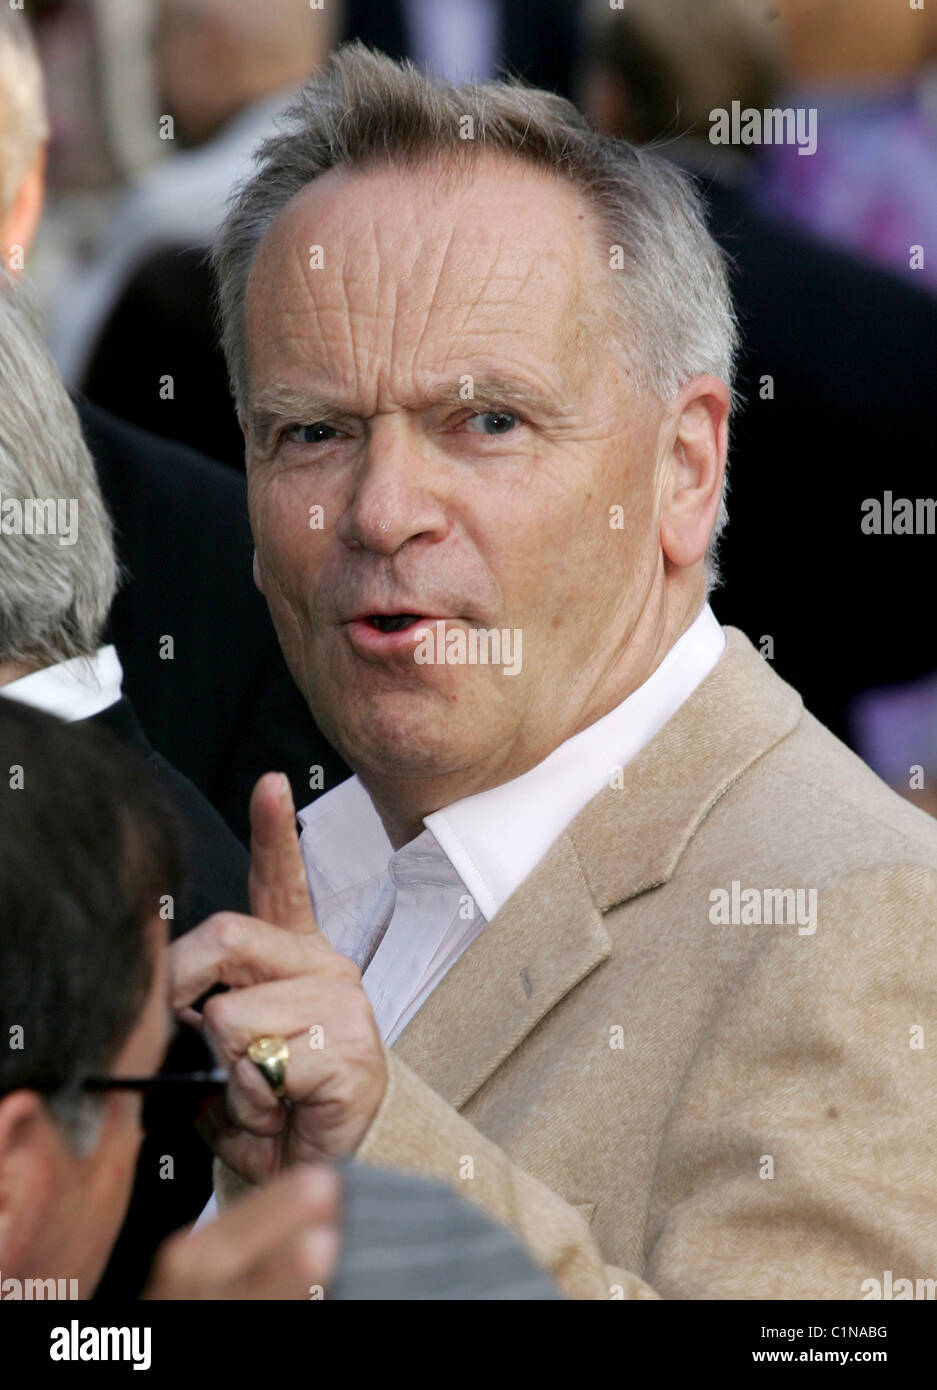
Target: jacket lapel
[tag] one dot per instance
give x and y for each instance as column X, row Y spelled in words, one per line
column 545, row 939
column 550, row 935
column 738, row 712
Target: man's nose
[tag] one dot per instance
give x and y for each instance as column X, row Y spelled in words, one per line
column 398, row 491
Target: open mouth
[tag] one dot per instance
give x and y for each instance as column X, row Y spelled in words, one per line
column 392, row 622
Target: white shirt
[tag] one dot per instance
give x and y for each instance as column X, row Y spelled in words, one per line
column 74, row 689
column 426, row 903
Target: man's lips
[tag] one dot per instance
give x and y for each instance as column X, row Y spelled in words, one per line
column 382, row 634
column 390, row 622
column 384, row 616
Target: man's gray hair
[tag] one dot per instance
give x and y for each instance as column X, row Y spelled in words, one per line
column 54, row 597
column 670, row 291
column 23, row 124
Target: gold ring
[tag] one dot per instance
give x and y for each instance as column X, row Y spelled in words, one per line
column 270, row 1056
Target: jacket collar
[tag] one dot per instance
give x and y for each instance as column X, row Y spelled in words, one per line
column 550, row 935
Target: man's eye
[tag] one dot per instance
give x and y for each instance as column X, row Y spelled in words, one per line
column 491, row 422
column 318, row 433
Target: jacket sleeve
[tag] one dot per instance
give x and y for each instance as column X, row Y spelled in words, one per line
column 416, row 1131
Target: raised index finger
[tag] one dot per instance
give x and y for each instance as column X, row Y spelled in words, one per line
column 277, row 885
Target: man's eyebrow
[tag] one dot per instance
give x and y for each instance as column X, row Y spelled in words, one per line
column 490, row 388
column 276, row 404
column 279, row 403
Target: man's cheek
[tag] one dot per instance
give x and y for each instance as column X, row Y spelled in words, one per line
column 283, row 555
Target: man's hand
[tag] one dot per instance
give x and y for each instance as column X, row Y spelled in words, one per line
column 285, row 979
column 280, row 1242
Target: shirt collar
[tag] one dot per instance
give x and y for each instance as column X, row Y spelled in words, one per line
column 74, row 689
column 496, row 837
column 343, row 820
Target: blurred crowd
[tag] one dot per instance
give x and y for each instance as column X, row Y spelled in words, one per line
column 220, row 69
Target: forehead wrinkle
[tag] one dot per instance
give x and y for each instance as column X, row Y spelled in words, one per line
column 340, row 277
column 265, row 267
column 343, row 282
column 385, row 285
column 397, row 271
column 438, row 279
column 479, row 297
column 551, row 333
column 513, row 283
column 383, row 389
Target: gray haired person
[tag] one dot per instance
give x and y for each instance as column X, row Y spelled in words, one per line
column 483, row 361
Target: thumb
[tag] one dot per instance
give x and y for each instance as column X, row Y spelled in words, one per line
column 277, row 884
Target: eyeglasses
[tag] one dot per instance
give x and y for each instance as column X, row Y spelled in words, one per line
column 168, row 1097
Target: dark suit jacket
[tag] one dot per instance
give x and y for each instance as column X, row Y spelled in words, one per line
column 218, row 869
column 169, row 295
column 850, row 350
column 225, row 709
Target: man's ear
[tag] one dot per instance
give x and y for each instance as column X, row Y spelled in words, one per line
column 22, row 221
column 257, row 579
column 696, row 443
column 27, row 1175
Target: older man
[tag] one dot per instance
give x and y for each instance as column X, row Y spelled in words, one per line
column 648, row 955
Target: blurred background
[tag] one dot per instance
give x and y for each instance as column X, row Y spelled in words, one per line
column 154, row 107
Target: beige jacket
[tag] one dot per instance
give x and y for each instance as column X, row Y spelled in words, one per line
column 661, row 1102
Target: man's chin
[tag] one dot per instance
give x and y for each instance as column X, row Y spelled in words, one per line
column 420, row 743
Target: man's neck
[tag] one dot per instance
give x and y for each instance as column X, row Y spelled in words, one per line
column 402, row 804
column 11, row 671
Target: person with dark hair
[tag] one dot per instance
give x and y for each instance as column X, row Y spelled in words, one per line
column 58, row 575
column 84, row 1010
column 78, row 946
column 83, row 959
